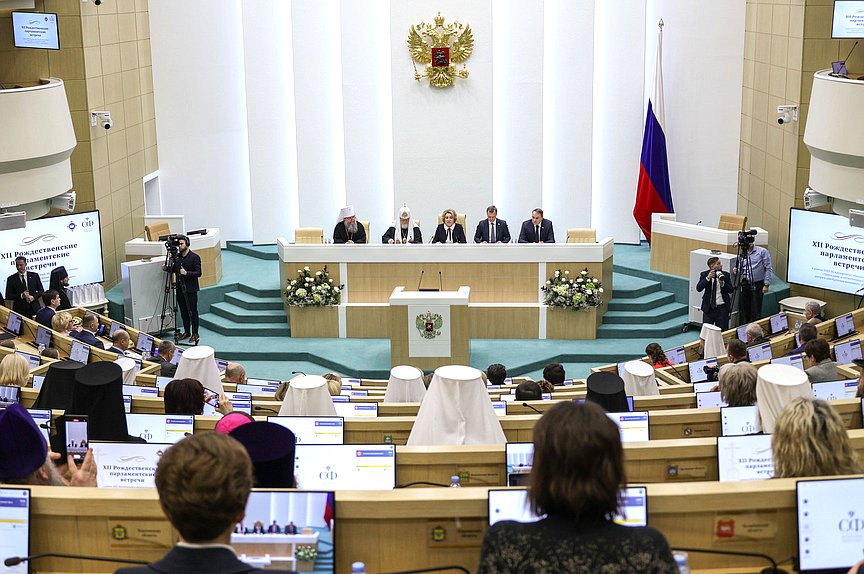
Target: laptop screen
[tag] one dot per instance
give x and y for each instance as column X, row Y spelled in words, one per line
column 279, row 523
column 737, row 421
column 633, row 426
column 697, row 369
column 844, row 325
column 677, row 355
column 741, row 332
column 356, row 409
column 745, row 457
column 835, row 390
column 257, row 391
column 140, row 391
column 792, row 360
column 314, row 430
column 144, row 343
column 709, row 400
column 848, row 351
column 779, row 323
column 160, row 428
column 79, row 352
column 512, row 504
column 519, row 458
column 14, row 526
column 761, row 352
column 13, row 323
column 9, row 394
column 829, row 524
column 43, row 336
column 345, row 467
column 115, row 326
column 32, row 360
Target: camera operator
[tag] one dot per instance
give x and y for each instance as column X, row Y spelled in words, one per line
column 756, row 278
column 187, row 265
column 716, row 299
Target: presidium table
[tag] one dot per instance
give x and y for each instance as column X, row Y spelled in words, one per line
column 503, row 284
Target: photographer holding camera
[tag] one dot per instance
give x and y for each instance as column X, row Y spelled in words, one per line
column 186, row 264
column 717, row 296
column 757, row 272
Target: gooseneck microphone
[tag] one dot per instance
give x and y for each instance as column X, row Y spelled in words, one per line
column 419, row 283
column 298, row 373
column 850, row 52
column 16, row 560
column 773, row 569
column 265, row 409
column 532, row 408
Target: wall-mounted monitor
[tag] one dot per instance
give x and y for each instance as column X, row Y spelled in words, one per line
column 848, row 21
column 823, row 251
column 35, row 30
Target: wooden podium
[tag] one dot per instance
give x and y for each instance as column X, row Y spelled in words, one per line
column 429, row 329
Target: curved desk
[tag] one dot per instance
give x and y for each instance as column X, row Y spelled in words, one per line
column 505, row 283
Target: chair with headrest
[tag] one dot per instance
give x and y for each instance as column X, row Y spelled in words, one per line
column 154, row 231
column 460, row 219
column 309, row 235
column 365, row 225
column 732, row 222
column 581, row 235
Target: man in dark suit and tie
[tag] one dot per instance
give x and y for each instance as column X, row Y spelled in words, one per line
column 166, row 354
column 716, row 288
column 537, row 229
column 87, row 334
column 24, row 289
column 492, row 229
column 51, row 301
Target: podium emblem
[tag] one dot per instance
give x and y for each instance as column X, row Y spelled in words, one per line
column 429, row 324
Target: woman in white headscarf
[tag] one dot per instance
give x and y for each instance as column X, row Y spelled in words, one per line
column 403, row 229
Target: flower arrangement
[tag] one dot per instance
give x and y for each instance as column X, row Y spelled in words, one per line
column 313, row 290
column 305, row 553
column 583, row 292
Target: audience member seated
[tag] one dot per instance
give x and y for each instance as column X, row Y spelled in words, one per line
column 404, row 386
column 806, row 333
column 98, row 393
column 14, row 370
column 8, row 344
column 810, row 439
column 813, row 312
column 528, row 391
column 456, row 410
column 575, row 481
column 754, row 334
column 554, row 373
column 50, row 353
column 860, row 364
column 165, row 355
column 546, row 386
column 233, row 420
column 51, row 301
column 817, row 354
column 776, row 386
column 186, row 397
column 56, row 391
column 87, row 334
column 738, row 383
column 271, row 448
column 235, row 373
column 496, row 373
column 607, row 390
column 656, row 356
column 334, row 384
column 62, row 323
column 120, row 342
column 402, row 230
column 25, row 458
column 736, row 352
column 203, row 484
column 307, row 396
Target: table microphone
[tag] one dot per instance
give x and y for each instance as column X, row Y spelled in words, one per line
column 532, row 408
column 260, row 408
column 15, row 560
column 298, row 373
column 773, row 569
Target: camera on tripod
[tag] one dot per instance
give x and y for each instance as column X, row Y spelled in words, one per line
column 172, row 243
column 745, row 238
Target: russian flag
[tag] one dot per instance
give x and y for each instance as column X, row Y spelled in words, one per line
column 653, row 193
column 328, row 509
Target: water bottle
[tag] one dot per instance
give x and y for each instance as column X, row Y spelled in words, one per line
column 681, row 561
column 358, row 568
column 454, row 482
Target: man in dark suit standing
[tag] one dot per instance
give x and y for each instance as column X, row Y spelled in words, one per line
column 188, row 269
column 537, row 229
column 203, row 483
column 492, row 229
column 716, row 288
column 24, row 289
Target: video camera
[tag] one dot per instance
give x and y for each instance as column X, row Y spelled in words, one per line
column 745, row 238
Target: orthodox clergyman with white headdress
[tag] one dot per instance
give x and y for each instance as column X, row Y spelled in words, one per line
column 403, row 229
column 348, row 229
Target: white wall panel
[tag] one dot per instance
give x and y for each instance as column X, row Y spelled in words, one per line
column 518, row 77
column 368, row 108
column 442, row 138
column 200, row 96
column 318, row 110
column 568, row 112
column 270, row 117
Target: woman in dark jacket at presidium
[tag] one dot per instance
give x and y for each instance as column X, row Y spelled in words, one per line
column 576, row 476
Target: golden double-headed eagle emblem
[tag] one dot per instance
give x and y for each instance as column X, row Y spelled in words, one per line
column 439, row 48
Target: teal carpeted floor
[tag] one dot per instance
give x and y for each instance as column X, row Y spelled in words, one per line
column 242, row 318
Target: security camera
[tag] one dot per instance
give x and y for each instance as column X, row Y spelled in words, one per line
column 787, row 113
column 101, row 118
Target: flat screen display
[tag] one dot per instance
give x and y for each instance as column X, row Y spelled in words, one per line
column 848, row 351
column 512, row 504
column 277, row 522
column 633, row 426
column 792, row 360
column 79, row 352
column 697, row 369
column 144, row 343
column 314, row 430
column 742, row 333
column 760, row 352
column 140, row 391
column 162, row 382
column 126, row 465
column 500, row 408
column 9, row 394
column 820, row 251
column 256, row 391
column 519, row 458
column 241, row 402
column 43, row 336
column 356, row 409
column 32, row 360
column 676, row 356
column 14, row 527
column 845, row 325
column 704, row 386
column 73, row 241
column 13, row 323
column 779, row 323
column 263, row 382
column 745, row 457
column 737, row 421
column 38, row 380
column 835, row 390
column 848, row 20
column 829, row 523
column 35, row 30
column 178, row 352
column 115, row 326
column 160, row 428
column 127, row 404
column 345, row 467
column 709, row 400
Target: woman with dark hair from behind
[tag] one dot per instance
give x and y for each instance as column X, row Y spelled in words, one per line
column 656, row 356
column 186, row 397
column 575, row 480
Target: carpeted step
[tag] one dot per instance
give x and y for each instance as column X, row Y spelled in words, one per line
column 254, row 302
column 260, row 293
column 647, row 316
column 241, row 315
column 225, row 326
column 652, row 331
column 266, row 252
column 630, row 287
column 638, row 304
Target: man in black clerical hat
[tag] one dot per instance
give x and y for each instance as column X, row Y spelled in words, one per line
column 271, row 448
column 56, row 391
column 98, row 393
column 607, row 390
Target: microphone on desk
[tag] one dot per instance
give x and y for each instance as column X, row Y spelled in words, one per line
column 699, row 222
column 532, row 408
column 773, row 569
column 419, row 283
column 435, row 569
column 267, row 409
column 16, row 560
column 298, row 373
column 440, row 281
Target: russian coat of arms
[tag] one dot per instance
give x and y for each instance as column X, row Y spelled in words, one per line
column 429, row 324
column 439, row 48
